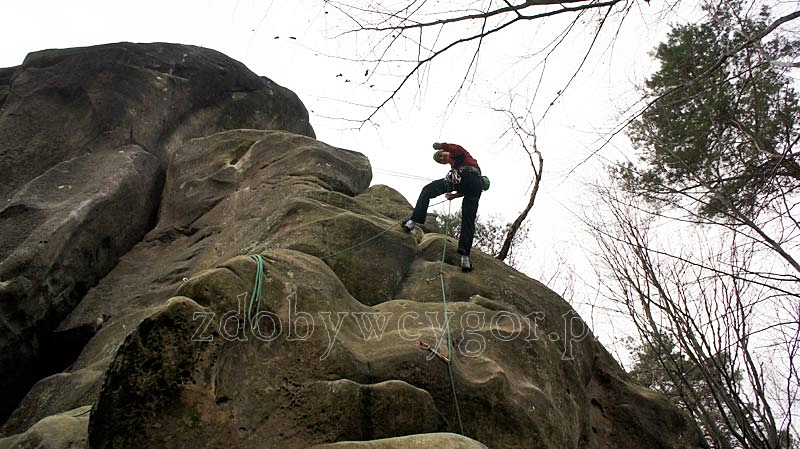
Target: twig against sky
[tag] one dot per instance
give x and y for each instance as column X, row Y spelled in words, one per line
column 392, row 26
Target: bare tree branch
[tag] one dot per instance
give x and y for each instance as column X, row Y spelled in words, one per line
column 407, row 22
column 537, row 165
column 709, row 308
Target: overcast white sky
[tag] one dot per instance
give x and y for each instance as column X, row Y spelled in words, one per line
column 295, row 44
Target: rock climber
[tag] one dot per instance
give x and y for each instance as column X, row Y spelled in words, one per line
column 464, row 179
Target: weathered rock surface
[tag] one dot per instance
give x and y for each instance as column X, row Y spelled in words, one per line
column 85, row 137
column 176, row 350
column 447, row 440
column 61, row 431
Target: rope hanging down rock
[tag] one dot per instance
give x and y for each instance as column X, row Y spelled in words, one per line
column 364, row 242
column 447, row 325
column 255, row 297
column 255, row 301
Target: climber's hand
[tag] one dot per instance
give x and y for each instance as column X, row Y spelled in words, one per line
column 452, row 195
column 437, row 146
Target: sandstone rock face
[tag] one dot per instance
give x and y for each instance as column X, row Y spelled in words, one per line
column 264, row 296
column 65, row 430
column 85, row 136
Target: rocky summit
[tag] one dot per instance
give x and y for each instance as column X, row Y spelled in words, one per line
column 183, row 265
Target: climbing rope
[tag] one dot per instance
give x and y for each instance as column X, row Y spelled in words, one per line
column 76, row 415
column 255, row 301
column 441, row 202
column 328, row 256
column 255, row 298
column 400, row 174
column 364, row 242
column 447, row 324
column 422, row 345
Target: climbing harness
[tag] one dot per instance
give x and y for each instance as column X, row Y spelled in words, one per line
column 453, row 177
column 426, row 347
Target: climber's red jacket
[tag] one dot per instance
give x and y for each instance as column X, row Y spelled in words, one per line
column 459, row 157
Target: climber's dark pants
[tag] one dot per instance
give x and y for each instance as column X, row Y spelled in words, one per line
column 471, row 186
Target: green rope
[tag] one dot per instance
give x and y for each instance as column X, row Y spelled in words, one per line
column 255, row 298
column 441, row 202
column 328, row 256
column 444, row 301
column 447, row 323
column 76, row 415
column 257, row 286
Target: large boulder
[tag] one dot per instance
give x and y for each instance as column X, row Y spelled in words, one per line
column 62, row 232
column 276, row 302
column 86, row 135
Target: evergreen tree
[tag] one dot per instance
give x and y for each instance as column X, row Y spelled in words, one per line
column 489, row 234
column 720, row 135
column 660, row 365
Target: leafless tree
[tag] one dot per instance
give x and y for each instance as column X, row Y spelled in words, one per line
column 707, row 270
column 731, row 307
column 526, row 134
column 413, row 34
column 406, row 38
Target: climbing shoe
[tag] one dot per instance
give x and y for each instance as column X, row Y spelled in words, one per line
column 466, row 265
column 409, row 226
